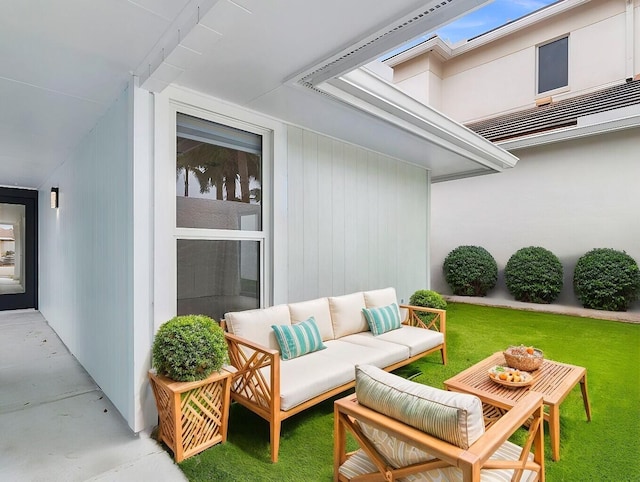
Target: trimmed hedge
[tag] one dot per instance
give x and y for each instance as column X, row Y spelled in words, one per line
column 534, row 275
column 470, row 271
column 189, row 348
column 606, row 279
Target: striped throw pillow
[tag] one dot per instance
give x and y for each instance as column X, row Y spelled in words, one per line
column 383, row 319
column 298, row 339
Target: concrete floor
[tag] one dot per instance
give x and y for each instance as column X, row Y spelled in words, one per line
column 55, row 422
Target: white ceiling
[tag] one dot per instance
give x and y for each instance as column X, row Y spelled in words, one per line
column 63, row 63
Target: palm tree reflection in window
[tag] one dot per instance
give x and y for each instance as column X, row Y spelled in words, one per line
column 233, row 175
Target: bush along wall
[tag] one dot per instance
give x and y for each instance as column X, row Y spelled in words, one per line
column 470, row 271
column 428, row 299
column 606, row 279
column 534, row 275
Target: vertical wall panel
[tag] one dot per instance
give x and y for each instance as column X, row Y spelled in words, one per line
column 86, row 281
column 363, row 221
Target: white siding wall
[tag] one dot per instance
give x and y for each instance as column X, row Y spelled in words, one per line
column 356, row 219
column 568, row 197
column 86, row 254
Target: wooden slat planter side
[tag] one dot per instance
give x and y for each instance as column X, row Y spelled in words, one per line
column 193, row 416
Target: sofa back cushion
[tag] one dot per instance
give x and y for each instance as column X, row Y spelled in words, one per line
column 384, row 297
column 378, row 298
column 453, row 417
column 319, row 309
column 255, row 325
column 346, row 314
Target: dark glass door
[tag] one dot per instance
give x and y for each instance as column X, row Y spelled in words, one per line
column 18, row 249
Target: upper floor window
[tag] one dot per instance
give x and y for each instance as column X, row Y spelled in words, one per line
column 553, row 65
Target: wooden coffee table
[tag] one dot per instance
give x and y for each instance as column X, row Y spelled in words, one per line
column 553, row 380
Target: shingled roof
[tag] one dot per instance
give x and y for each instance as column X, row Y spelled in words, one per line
column 563, row 113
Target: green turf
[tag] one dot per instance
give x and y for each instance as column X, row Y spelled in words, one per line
column 606, row 449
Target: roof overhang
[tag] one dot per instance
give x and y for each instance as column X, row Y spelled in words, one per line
column 591, row 125
column 470, row 153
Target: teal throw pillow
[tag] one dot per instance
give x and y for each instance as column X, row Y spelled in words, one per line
column 383, row 319
column 298, row 339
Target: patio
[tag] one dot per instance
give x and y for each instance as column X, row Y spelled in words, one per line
column 56, row 422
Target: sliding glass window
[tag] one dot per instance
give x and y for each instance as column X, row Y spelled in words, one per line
column 219, row 218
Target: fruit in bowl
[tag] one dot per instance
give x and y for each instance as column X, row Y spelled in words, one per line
column 523, row 357
column 510, row 376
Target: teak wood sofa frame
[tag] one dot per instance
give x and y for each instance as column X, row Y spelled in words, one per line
column 261, row 394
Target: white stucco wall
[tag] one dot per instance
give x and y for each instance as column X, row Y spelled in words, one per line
column 86, row 255
column 500, row 76
column 568, row 197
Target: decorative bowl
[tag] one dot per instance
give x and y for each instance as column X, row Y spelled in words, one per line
column 510, row 377
column 523, row 358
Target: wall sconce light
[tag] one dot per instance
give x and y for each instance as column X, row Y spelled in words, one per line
column 54, row 198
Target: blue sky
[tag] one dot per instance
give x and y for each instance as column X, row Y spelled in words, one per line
column 482, row 20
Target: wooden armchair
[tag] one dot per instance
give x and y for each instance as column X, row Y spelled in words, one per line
column 491, row 457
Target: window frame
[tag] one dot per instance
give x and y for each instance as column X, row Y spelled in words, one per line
column 560, row 89
column 261, row 236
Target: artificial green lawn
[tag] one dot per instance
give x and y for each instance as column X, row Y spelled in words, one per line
column 606, row 449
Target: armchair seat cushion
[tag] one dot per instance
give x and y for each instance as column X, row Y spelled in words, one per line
column 359, row 463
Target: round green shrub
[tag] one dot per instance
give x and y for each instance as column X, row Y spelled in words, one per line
column 606, row 279
column 428, row 299
column 470, row 271
column 534, row 275
column 189, row 348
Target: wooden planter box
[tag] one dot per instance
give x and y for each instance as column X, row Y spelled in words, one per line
column 193, row 416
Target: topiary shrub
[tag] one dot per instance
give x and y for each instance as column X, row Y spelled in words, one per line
column 428, row 299
column 606, row 279
column 534, row 275
column 470, row 271
column 189, row 348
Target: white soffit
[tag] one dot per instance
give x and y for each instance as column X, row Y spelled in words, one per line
column 429, row 17
column 372, row 94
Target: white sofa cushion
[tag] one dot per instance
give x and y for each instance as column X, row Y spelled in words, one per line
column 352, row 353
column 396, row 352
column 416, row 339
column 308, row 376
column 255, row 325
column 346, row 314
column 454, row 417
column 378, row 298
column 319, row 309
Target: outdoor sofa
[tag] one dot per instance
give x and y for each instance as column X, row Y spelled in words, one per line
column 320, row 343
